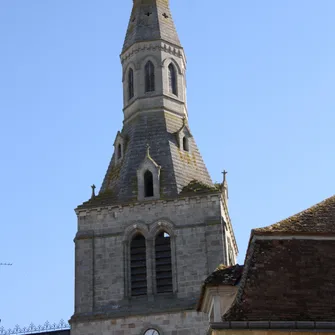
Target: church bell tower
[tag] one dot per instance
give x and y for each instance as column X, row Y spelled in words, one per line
column 158, row 226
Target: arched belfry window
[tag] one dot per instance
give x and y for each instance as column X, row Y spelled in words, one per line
column 172, row 79
column 163, row 263
column 149, row 77
column 138, row 265
column 148, row 184
column 130, row 84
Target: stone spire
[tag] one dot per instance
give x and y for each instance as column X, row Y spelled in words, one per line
column 155, row 115
column 150, row 20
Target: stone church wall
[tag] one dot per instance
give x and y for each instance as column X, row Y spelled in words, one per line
column 181, row 323
column 102, row 248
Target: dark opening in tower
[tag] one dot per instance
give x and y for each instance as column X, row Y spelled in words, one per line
column 163, row 263
column 149, row 77
column 130, row 84
column 148, row 184
column 119, row 151
column 172, row 79
column 138, row 266
column 185, row 144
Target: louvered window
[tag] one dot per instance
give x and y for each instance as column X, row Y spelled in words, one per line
column 149, row 77
column 172, row 79
column 163, row 263
column 138, row 266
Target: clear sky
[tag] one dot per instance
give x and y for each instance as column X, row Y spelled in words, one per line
column 261, row 78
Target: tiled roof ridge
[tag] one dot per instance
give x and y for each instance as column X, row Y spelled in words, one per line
column 283, row 225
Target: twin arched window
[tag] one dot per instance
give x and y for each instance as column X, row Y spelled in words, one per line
column 149, row 73
column 163, row 264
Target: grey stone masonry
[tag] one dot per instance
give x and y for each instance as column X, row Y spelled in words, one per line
column 198, row 229
column 156, row 188
column 174, row 323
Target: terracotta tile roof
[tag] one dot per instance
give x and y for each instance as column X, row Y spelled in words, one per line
column 223, row 275
column 318, row 219
column 290, row 278
column 287, row 280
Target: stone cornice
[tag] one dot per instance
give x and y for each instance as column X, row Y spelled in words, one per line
column 153, row 46
column 157, row 109
column 80, row 211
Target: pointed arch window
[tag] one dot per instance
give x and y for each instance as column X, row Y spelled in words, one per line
column 138, row 266
column 163, row 263
column 149, row 77
column 148, row 184
column 130, row 83
column 172, row 79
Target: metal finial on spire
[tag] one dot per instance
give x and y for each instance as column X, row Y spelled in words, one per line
column 224, row 175
column 93, row 191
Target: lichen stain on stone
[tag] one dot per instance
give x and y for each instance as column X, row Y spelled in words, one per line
column 114, row 174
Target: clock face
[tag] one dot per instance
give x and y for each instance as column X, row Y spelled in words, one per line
column 151, row 332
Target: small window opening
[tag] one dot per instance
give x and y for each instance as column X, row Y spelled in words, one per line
column 149, row 77
column 119, row 151
column 138, row 266
column 185, row 144
column 172, row 79
column 163, row 263
column 148, row 184
column 130, row 84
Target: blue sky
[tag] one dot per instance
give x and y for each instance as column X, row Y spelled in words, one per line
column 261, row 78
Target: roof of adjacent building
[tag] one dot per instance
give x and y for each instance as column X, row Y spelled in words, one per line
column 316, row 219
column 150, row 20
column 290, row 277
column 223, row 275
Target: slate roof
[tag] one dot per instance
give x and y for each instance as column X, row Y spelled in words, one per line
column 182, row 173
column 290, row 278
column 318, row 219
column 150, row 20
